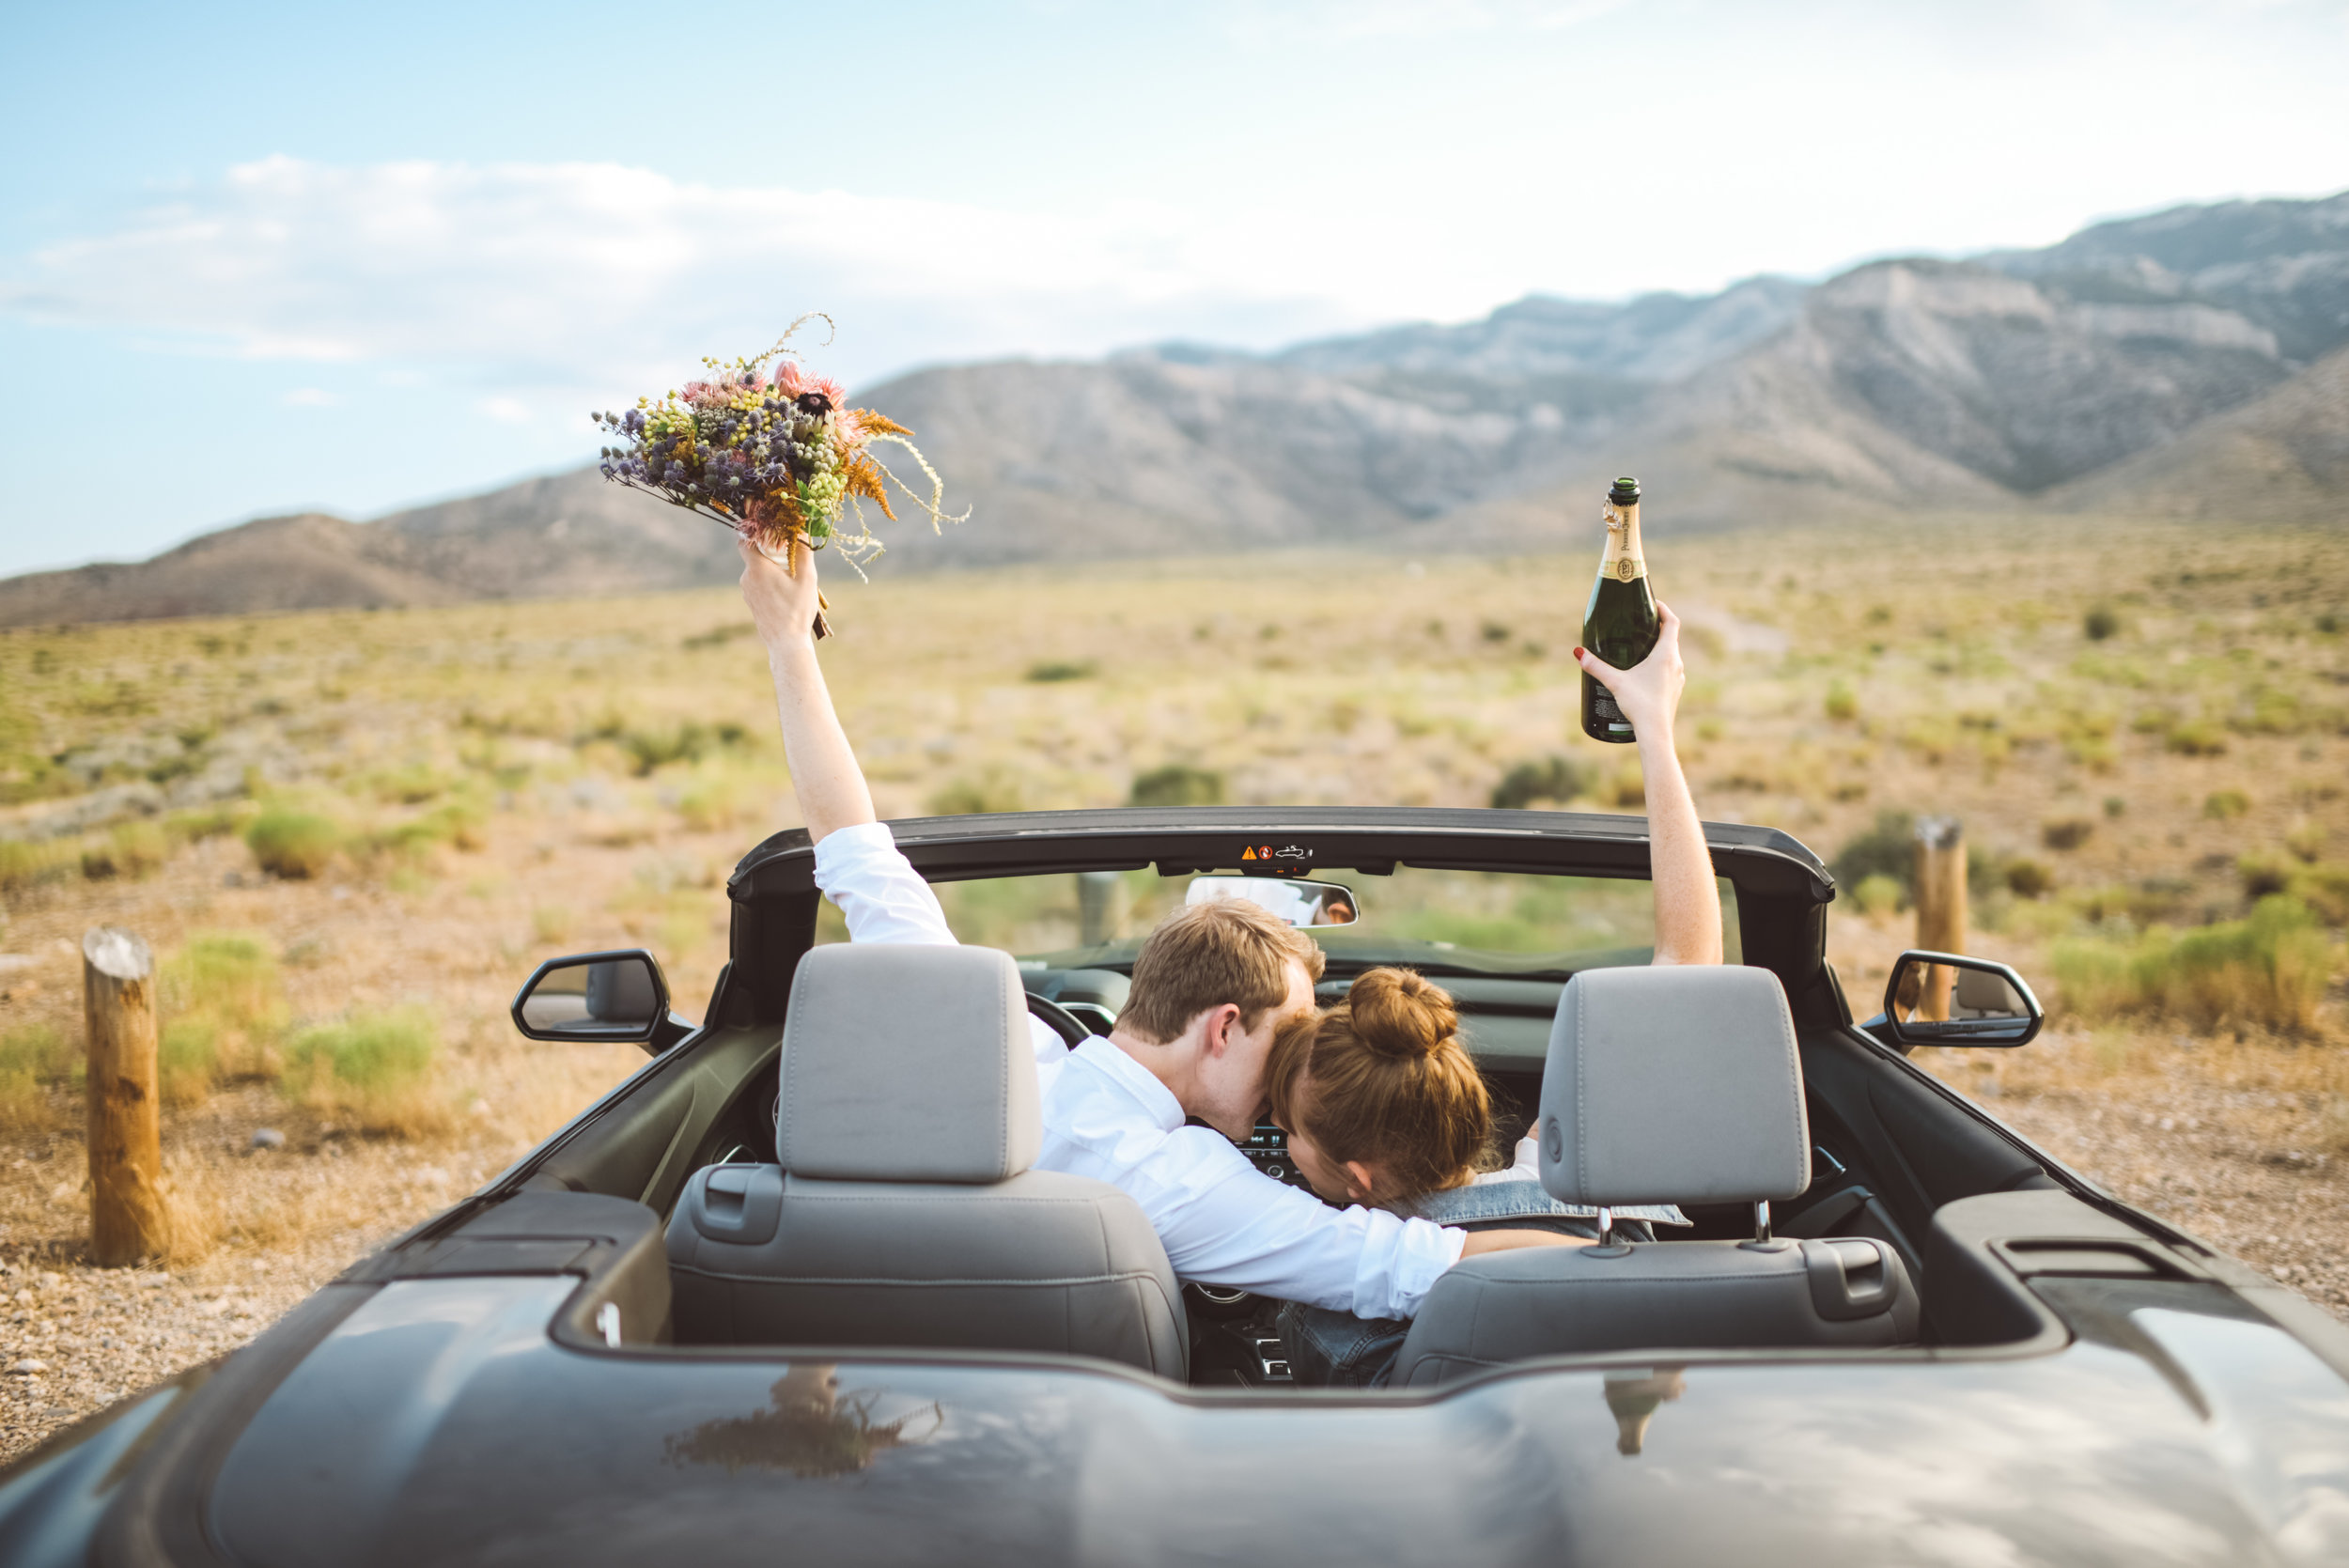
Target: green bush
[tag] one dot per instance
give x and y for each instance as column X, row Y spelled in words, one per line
column 32, row 1059
column 2269, row 970
column 1555, row 779
column 2225, row 806
column 133, row 850
column 1887, row 848
column 1842, row 703
column 224, row 1009
column 2198, row 737
column 994, row 790
column 373, row 1067
column 2100, row 623
column 293, row 843
column 1177, row 784
column 2262, row 875
column 1063, row 669
column 2066, row 834
column 2027, row 878
column 26, row 862
column 1879, row 895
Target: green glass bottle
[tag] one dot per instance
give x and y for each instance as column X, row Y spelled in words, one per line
column 1620, row 624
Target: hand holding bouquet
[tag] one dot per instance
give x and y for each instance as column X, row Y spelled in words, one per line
column 776, row 456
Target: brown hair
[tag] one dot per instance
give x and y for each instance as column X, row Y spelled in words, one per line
column 1383, row 1078
column 1206, row 955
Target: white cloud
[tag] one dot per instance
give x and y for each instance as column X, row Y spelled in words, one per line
column 311, row 397
column 507, row 410
column 598, row 275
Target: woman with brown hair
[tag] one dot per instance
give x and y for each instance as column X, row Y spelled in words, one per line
column 1384, row 1107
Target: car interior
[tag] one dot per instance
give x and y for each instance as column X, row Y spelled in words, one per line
column 858, row 1177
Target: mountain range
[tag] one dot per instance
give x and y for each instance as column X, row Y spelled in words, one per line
column 2192, row 363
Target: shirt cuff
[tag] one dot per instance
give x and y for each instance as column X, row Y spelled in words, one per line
column 1426, row 1251
column 848, row 843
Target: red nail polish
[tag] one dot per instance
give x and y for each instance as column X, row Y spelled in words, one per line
column 1577, row 650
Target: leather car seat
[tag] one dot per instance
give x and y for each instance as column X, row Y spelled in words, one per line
column 903, row 1212
column 1667, row 1084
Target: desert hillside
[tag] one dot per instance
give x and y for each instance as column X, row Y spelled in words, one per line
column 2155, row 364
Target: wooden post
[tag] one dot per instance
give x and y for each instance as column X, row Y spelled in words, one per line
column 126, row 1154
column 1940, row 905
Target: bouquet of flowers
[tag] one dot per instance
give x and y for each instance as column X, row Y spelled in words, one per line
column 776, row 455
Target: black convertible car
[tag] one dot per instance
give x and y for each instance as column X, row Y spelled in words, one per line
column 637, row 1346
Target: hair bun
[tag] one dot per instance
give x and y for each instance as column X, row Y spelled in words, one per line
column 1399, row 1013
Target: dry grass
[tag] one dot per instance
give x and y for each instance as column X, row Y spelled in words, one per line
column 500, row 782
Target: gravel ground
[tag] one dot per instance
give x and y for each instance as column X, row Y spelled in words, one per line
column 75, row 1338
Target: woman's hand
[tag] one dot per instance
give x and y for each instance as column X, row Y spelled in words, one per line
column 1649, row 691
column 783, row 604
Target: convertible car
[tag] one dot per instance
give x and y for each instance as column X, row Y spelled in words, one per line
column 789, row 1293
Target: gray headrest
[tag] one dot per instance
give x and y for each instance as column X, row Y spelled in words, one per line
column 908, row 1065
column 1674, row 1084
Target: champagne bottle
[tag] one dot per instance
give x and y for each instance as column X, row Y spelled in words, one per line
column 1620, row 624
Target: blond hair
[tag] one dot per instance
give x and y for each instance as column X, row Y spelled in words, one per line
column 1204, row 955
column 1383, row 1078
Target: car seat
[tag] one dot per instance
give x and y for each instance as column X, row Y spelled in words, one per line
column 903, row 1211
column 1666, row 1084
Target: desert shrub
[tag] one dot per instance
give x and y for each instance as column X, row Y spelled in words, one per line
column 552, row 923
column 2197, row 737
column 2306, row 842
column 1063, row 669
column 1177, row 784
column 293, row 843
column 1887, row 848
column 28, row 863
column 2100, row 623
column 1555, row 779
column 2262, row 875
column 33, row 1059
column 1842, row 703
column 133, row 850
column 2225, row 806
column 1879, row 896
column 993, row 790
column 2027, row 878
column 457, row 823
column 375, row 1068
column 649, row 750
column 2323, row 889
column 1627, row 789
column 2115, row 807
column 198, row 823
column 2268, row 969
column 2066, row 833
column 223, row 1011
column 718, row 796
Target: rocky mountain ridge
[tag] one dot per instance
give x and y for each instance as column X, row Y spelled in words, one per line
column 2105, row 372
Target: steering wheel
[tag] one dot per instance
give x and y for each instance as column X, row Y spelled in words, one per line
column 1059, row 1019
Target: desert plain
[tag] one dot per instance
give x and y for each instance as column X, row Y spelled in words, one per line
column 348, row 836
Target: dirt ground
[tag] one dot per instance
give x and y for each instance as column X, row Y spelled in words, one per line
column 617, row 763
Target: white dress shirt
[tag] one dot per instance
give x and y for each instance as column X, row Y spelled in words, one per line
column 1222, row 1221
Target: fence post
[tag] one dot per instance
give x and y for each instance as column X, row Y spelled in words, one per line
column 1940, row 905
column 126, row 1156
column 1101, row 906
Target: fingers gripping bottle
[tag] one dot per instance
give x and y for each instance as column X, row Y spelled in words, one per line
column 1620, row 625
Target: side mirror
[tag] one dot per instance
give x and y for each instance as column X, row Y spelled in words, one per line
column 1299, row 903
column 1941, row 999
column 599, row 995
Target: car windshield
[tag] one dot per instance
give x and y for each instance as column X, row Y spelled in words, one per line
column 1439, row 921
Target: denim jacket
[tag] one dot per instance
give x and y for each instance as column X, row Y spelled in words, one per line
column 1328, row 1348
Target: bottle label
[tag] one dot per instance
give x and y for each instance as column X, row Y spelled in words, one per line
column 1623, row 561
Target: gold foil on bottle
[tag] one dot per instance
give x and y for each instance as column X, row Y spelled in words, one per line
column 1623, row 561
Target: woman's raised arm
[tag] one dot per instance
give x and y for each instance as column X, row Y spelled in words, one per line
column 824, row 771
column 1688, row 900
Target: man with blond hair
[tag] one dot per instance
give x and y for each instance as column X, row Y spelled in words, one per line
column 1212, row 985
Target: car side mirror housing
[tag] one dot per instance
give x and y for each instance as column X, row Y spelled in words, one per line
column 1945, row 998
column 591, row 996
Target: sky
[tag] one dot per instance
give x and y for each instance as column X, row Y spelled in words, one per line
column 256, row 259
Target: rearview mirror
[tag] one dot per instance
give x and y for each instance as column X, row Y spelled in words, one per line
column 1942, row 999
column 1298, row 903
column 599, row 996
